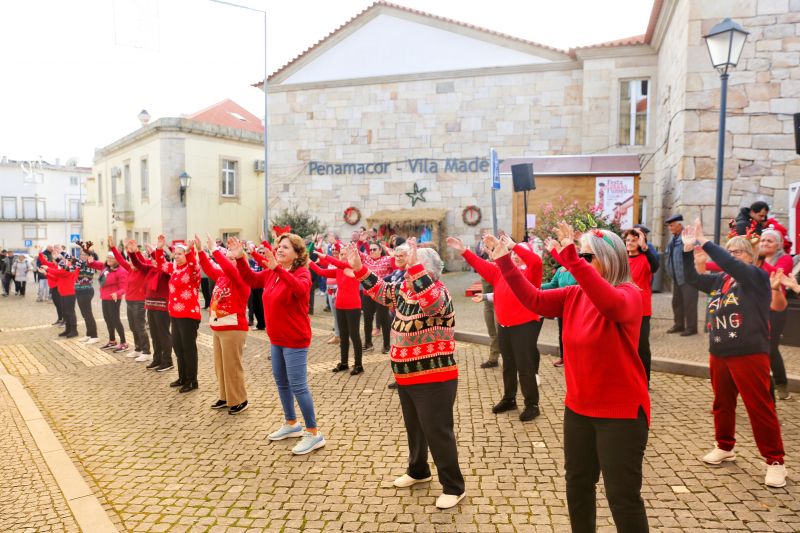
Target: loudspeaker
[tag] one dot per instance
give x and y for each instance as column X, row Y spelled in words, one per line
column 523, row 177
column 797, row 132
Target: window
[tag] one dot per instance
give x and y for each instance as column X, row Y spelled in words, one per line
column 126, row 179
column 73, row 180
column 41, row 208
column 228, row 178
column 136, row 236
column 41, row 232
column 9, row 207
column 29, row 208
column 74, row 209
column 100, row 188
column 144, row 174
column 128, row 235
column 34, row 231
column 227, row 234
column 116, row 239
column 146, row 237
column 634, row 106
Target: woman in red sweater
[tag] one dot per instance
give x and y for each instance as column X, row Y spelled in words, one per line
column 607, row 410
column 113, row 281
column 771, row 247
column 519, row 327
column 228, row 321
column 156, row 294
column 184, row 310
column 134, row 302
column 65, row 273
column 643, row 265
column 348, row 309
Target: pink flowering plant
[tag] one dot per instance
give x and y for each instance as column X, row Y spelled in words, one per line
column 581, row 216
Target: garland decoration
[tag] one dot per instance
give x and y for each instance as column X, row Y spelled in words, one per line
column 352, row 216
column 471, row 215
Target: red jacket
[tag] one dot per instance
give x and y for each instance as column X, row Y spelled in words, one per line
column 156, row 281
column 230, row 296
column 285, row 300
column 507, row 307
column 643, row 278
column 64, row 279
column 604, row 375
column 184, row 281
column 115, row 280
column 348, row 290
column 136, row 278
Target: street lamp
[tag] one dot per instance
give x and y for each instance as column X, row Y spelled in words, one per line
column 725, row 42
column 184, row 180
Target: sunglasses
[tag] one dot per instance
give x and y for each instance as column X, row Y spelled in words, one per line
column 586, row 256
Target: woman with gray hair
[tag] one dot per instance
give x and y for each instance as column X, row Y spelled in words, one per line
column 607, row 413
column 422, row 347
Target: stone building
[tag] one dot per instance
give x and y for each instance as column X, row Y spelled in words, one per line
column 135, row 191
column 419, row 97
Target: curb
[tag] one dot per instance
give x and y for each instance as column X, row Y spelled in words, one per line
column 85, row 507
column 658, row 364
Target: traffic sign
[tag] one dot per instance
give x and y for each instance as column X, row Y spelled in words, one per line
column 494, row 164
column 74, row 237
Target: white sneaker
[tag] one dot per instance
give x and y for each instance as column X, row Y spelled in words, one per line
column 84, row 339
column 717, row 456
column 145, row 357
column 776, row 476
column 406, row 481
column 93, row 340
column 446, row 501
column 133, row 354
column 287, row 431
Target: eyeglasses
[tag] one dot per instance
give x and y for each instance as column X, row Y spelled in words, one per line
column 586, row 256
column 738, row 252
column 374, row 249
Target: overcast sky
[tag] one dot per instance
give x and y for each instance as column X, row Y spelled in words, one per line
column 77, row 72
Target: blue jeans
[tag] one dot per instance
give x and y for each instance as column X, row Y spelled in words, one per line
column 290, row 368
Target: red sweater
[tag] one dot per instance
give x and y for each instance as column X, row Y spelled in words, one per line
column 604, row 375
column 507, row 307
column 136, row 278
column 348, row 294
column 230, row 296
column 285, row 300
column 115, row 280
column 642, row 277
column 184, row 281
column 156, row 281
column 64, row 279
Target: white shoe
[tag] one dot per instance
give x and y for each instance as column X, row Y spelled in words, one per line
column 84, row 339
column 133, row 354
column 446, row 501
column 93, row 340
column 776, row 476
column 717, row 456
column 287, row 431
column 406, row 481
column 145, row 357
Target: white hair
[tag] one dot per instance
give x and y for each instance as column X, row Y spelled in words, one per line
column 431, row 261
column 609, row 250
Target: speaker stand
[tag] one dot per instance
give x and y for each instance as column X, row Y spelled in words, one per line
column 525, row 210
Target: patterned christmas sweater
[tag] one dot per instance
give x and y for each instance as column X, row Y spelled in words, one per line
column 423, row 340
column 184, row 281
column 228, row 310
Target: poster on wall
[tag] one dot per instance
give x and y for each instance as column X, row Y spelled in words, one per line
column 614, row 195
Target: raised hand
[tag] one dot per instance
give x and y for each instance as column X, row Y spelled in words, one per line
column 551, row 244
column 775, row 279
column 149, row 249
column 565, row 234
column 110, row 241
column 162, row 241
column 270, row 262
column 789, row 282
column 689, row 236
column 499, row 250
column 508, row 242
column 235, row 247
column 131, row 246
column 698, row 232
column 642, row 242
column 478, row 298
column 490, row 242
column 412, row 251
column 353, row 257
column 456, row 244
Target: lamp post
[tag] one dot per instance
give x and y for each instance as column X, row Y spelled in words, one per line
column 184, row 180
column 725, row 42
column 266, row 115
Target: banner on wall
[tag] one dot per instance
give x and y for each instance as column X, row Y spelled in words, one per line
column 614, row 195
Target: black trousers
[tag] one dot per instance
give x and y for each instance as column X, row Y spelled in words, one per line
column 136, row 320
column 257, row 304
column 113, row 321
column 615, row 447
column 184, row 342
column 684, row 306
column 520, row 357
column 777, row 321
column 380, row 314
column 84, row 297
column 68, row 312
column 428, row 416
column 311, row 297
column 7, row 278
column 644, row 345
column 19, row 287
column 55, row 296
column 158, row 321
column 205, row 288
column 348, row 320
column 560, row 322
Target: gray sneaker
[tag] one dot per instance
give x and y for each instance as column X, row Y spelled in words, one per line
column 287, row 431
column 309, row 443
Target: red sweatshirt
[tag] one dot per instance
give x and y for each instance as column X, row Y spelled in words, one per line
column 348, row 295
column 507, row 307
column 643, row 278
column 136, row 278
column 156, row 281
column 228, row 309
column 285, row 302
column 64, row 279
column 184, row 281
column 604, row 375
column 115, row 280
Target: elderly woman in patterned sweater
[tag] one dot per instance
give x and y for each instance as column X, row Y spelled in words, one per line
column 228, row 321
column 382, row 264
column 156, row 294
column 184, row 310
column 423, row 365
column 113, row 281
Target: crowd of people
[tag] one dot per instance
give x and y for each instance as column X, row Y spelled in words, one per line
column 600, row 294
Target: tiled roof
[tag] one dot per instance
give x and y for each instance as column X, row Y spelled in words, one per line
column 229, row 114
column 627, row 41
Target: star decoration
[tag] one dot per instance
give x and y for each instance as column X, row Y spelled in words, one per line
column 732, row 334
column 417, row 194
column 717, row 339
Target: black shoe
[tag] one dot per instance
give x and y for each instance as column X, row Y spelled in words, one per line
column 153, row 366
column 386, row 350
column 176, row 383
column 238, row 408
column 188, row 387
column 219, row 404
column 71, row 335
column 369, row 348
column 327, row 309
column 164, row 368
column 392, row 385
column 62, row 334
column 675, row 329
column 504, row 405
column 530, row 412
column 357, row 369
column 340, row 367
column 56, row 323
column 490, row 364
column 688, row 333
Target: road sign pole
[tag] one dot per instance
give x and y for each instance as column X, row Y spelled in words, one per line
column 494, row 165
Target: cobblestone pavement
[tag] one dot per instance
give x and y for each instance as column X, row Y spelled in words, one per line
column 163, row 461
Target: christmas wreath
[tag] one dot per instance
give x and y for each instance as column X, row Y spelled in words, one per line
column 352, row 216
column 471, row 215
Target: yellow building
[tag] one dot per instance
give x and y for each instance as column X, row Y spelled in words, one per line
column 135, row 189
